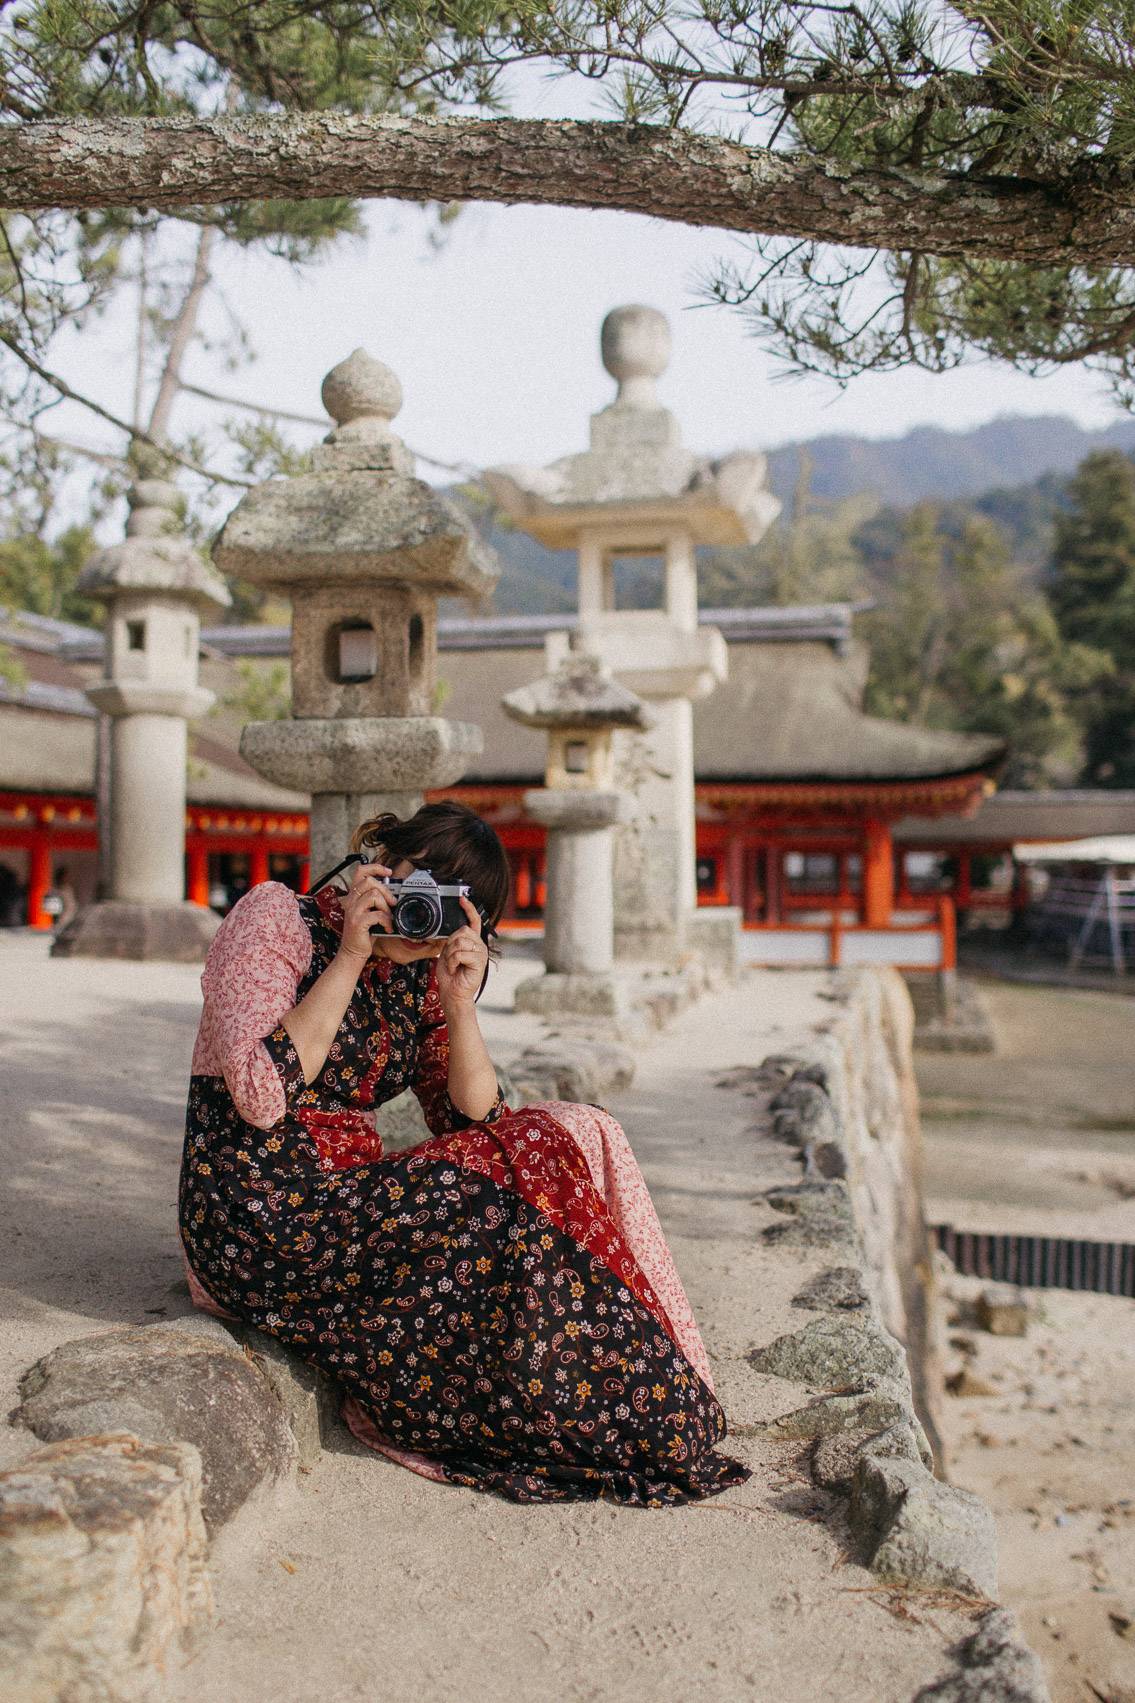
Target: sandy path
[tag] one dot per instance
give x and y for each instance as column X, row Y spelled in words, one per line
column 372, row 1583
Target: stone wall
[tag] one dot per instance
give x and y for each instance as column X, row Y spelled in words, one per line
column 848, row 1101
column 868, row 1052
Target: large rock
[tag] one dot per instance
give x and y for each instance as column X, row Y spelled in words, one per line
column 802, row 1113
column 923, row 1532
column 836, row 1457
column 584, row 1071
column 995, row 1666
column 819, row 1214
column 178, row 934
column 310, row 1398
column 169, row 1385
column 872, row 1405
column 102, row 1568
column 831, row 1353
column 838, row 1289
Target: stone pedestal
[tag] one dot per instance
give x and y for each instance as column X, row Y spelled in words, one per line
column 578, row 913
column 338, row 760
column 363, row 550
column 637, row 492
column 177, row 933
column 156, row 587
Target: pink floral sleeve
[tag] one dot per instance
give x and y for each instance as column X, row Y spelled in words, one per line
column 259, row 955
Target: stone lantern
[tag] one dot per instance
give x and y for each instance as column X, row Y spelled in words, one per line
column 363, row 549
column 580, row 706
column 156, row 587
column 638, row 492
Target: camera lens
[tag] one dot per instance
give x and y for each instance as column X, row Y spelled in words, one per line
column 417, row 916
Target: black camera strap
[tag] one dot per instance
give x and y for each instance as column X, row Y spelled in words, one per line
column 355, row 857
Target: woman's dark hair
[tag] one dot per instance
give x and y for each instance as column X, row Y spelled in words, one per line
column 451, row 841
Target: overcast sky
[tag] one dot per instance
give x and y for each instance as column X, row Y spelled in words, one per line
column 495, row 340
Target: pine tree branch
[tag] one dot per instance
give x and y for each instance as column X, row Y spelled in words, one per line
column 64, row 389
column 1084, row 218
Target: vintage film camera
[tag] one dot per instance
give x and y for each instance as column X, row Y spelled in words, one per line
column 425, row 909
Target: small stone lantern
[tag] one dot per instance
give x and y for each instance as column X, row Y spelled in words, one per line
column 363, row 550
column 156, row 587
column 580, row 706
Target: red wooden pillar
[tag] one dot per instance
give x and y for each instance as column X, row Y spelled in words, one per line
column 39, row 881
column 774, row 882
column 305, row 876
column 522, row 886
column 735, row 872
column 878, row 874
column 904, row 879
column 258, row 865
column 963, row 892
column 843, row 898
column 947, row 922
column 197, row 876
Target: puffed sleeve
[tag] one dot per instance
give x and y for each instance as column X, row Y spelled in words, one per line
column 259, row 955
column 431, row 1078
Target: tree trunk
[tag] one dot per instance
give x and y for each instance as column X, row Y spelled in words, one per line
column 668, row 174
column 183, row 328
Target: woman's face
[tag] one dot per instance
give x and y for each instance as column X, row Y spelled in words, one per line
column 392, row 946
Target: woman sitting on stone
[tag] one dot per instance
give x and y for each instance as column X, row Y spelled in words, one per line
column 498, row 1302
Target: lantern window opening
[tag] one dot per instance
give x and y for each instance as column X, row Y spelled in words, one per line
column 576, row 756
column 135, row 635
column 416, row 655
column 356, row 653
column 637, row 580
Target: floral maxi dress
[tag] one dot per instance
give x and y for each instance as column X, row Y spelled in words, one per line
column 498, row 1303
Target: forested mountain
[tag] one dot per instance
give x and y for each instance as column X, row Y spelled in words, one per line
column 1011, row 471
column 1004, row 607
column 929, row 463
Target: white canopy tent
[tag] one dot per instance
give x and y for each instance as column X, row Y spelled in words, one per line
column 1104, row 848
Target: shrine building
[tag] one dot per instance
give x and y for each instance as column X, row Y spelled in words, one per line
column 840, row 836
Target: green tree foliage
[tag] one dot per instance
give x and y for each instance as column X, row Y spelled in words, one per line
column 962, row 641
column 1028, row 98
column 114, row 58
column 263, row 694
column 1016, row 93
column 810, row 556
column 959, row 639
column 40, row 576
column 1092, row 595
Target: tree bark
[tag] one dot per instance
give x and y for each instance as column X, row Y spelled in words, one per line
column 667, row 174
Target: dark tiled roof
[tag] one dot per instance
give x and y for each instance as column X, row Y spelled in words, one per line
column 1012, row 816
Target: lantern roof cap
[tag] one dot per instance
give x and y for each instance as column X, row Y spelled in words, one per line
column 360, row 516
column 637, row 472
column 578, row 695
column 154, row 555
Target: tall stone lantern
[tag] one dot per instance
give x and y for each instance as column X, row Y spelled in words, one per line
column 156, row 588
column 580, row 707
column 363, row 549
column 638, row 492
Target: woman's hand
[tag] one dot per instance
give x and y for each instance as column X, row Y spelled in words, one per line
column 366, row 904
column 461, row 965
